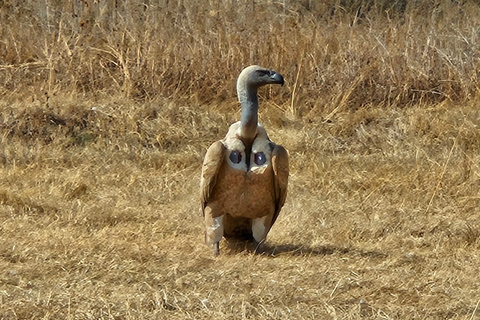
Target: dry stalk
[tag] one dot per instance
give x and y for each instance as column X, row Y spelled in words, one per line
column 437, row 186
column 293, row 110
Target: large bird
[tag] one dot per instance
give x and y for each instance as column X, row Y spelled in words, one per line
column 244, row 176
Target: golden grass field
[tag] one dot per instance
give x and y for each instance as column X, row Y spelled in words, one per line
column 107, row 108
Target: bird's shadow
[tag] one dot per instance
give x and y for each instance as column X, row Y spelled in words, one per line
column 272, row 250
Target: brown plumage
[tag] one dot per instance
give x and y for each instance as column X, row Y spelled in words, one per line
column 245, row 175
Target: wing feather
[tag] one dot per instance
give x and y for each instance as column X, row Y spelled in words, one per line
column 211, row 165
column 280, row 170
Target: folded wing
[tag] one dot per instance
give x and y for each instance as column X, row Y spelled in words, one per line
column 280, row 180
column 211, row 165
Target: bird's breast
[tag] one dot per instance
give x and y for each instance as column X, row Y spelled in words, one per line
column 242, row 193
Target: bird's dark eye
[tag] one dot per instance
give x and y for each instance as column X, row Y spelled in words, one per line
column 235, row 156
column 260, row 158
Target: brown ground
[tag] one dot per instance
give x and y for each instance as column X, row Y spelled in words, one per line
column 103, row 129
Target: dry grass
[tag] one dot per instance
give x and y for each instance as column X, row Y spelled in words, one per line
column 106, row 113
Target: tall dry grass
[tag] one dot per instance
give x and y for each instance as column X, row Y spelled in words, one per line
column 336, row 54
column 107, row 108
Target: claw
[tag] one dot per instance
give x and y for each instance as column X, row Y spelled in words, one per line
column 258, row 246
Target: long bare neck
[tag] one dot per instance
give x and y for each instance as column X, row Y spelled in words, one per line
column 249, row 117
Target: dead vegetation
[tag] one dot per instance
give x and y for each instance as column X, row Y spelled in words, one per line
column 108, row 107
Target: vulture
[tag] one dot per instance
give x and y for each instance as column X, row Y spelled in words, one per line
column 244, row 178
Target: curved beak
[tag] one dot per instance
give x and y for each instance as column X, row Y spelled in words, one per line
column 277, row 78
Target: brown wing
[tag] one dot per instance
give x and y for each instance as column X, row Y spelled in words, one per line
column 280, row 170
column 211, row 165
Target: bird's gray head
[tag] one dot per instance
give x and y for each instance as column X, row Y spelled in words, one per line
column 253, row 77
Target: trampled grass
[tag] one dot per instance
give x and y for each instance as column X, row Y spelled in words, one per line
column 107, row 111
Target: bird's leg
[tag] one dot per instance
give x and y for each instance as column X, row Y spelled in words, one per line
column 214, row 230
column 259, row 231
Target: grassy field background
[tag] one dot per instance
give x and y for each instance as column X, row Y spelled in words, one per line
column 107, row 108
